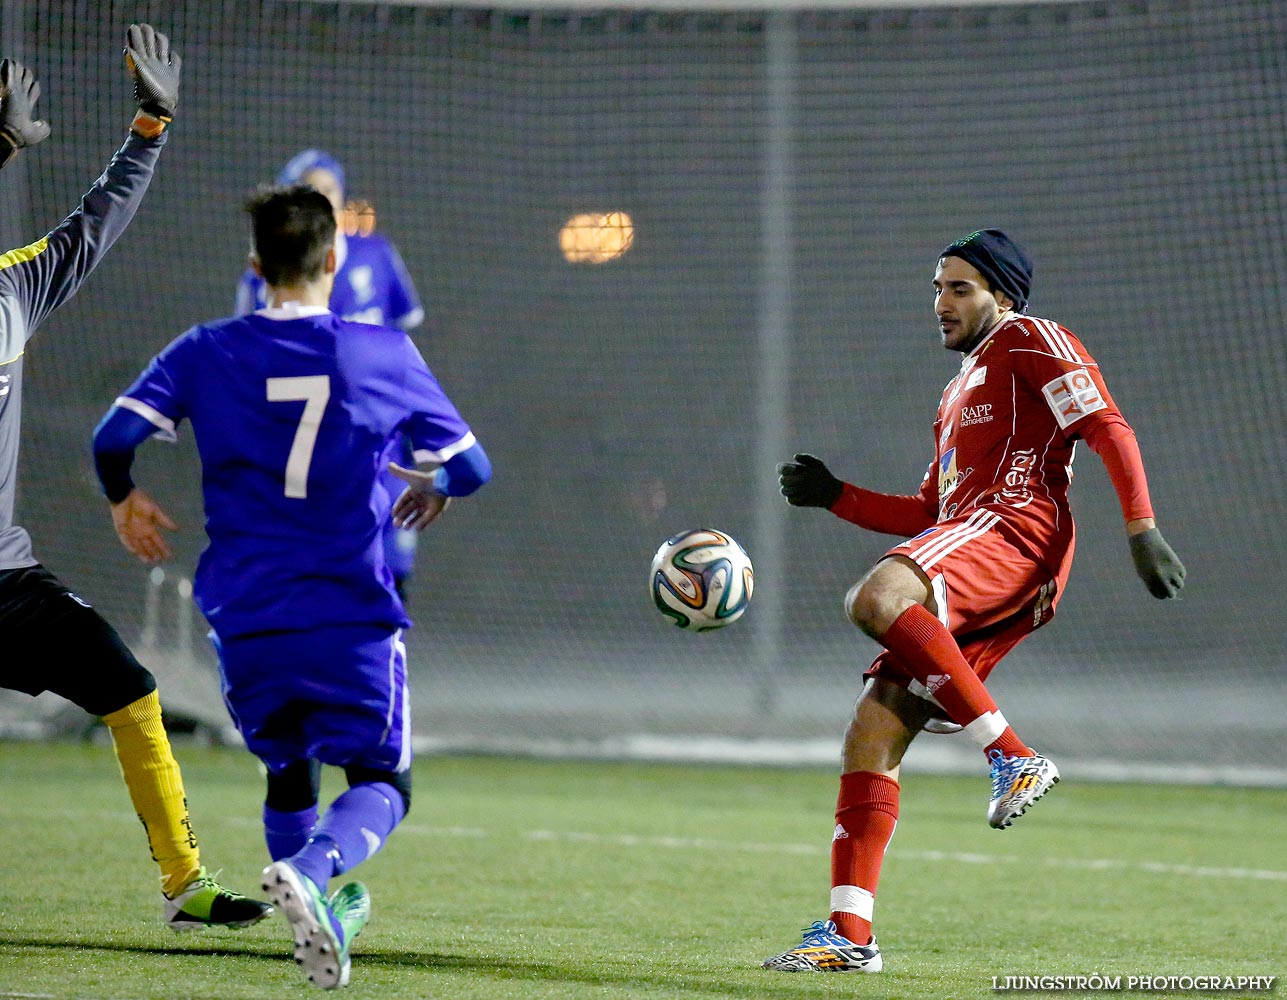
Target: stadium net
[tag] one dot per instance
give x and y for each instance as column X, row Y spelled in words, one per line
column 660, row 250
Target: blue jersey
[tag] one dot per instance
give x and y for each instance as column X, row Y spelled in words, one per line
column 371, row 285
column 296, row 412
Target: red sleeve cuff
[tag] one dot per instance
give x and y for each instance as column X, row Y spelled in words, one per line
column 883, row 512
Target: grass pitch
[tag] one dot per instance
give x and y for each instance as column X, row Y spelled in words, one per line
column 532, row 879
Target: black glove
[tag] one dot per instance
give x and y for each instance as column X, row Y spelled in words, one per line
column 19, row 92
column 1157, row 564
column 155, row 70
column 806, row 482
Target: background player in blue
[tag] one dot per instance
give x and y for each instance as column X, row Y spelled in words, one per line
column 295, row 413
column 371, row 286
column 51, row 639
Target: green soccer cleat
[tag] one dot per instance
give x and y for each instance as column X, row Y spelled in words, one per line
column 351, row 904
column 823, row 949
column 205, row 903
column 321, row 942
column 1017, row 782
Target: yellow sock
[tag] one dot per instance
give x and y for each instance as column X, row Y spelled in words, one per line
column 156, row 788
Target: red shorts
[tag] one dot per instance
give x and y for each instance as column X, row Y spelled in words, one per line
column 989, row 592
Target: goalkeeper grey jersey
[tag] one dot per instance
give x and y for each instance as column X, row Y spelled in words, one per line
column 37, row 279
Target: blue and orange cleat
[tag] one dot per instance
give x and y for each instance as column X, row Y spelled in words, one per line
column 825, row 950
column 1017, row 782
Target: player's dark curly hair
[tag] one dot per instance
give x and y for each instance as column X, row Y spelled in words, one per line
column 291, row 229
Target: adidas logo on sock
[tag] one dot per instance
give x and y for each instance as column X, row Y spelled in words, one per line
column 935, row 681
column 840, row 834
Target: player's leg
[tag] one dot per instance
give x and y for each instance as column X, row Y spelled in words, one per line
column 364, row 725
column 990, row 597
column 354, row 828
column 960, row 578
column 356, row 825
column 290, row 806
column 80, row 657
column 895, row 604
column 1017, row 782
column 885, row 721
column 267, row 702
column 370, row 733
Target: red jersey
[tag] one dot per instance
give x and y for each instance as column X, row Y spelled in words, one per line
column 1007, row 429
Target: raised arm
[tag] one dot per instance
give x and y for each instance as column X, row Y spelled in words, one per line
column 40, row 277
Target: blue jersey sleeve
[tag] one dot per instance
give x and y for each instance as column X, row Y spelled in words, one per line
column 157, row 395
column 464, row 473
column 435, row 427
column 116, row 438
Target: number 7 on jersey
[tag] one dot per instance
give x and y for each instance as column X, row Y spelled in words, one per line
column 313, row 391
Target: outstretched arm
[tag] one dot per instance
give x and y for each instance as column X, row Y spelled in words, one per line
column 1156, row 563
column 807, row 482
column 137, row 518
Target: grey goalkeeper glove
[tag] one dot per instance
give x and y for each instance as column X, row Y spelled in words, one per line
column 1157, row 564
column 155, row 70
column 19, row 91
column 806, row 482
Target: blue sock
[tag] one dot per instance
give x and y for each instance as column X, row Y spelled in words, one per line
column 354, row 828
column 286, row 832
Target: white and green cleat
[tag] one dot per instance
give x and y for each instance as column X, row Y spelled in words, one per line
column 205, row 903
column 321, row 940
column 351, row 904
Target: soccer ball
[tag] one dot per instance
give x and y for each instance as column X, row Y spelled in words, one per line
column 702, row 579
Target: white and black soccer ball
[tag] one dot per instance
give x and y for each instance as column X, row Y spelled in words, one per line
column 702, row 579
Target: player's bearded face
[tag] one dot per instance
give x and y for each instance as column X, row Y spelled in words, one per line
column 966, row 310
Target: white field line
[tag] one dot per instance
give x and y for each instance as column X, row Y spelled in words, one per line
column 751, row 847
column 958, row 857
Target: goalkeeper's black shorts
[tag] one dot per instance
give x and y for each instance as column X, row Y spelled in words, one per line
column 52, row 640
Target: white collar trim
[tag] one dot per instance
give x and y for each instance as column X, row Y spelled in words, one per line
column 291, row 310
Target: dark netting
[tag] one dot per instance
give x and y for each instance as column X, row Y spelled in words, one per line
column 790, row 178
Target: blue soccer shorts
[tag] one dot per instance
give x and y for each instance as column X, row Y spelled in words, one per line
column 338, row 695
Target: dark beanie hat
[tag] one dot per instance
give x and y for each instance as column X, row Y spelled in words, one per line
column 999, row 259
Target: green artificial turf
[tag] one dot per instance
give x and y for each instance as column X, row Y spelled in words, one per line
column 568, row 880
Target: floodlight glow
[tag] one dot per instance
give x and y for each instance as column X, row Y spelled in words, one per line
column 596, row 237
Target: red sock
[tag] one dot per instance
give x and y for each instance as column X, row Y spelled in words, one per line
column 927, row 649
column 866, row 814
